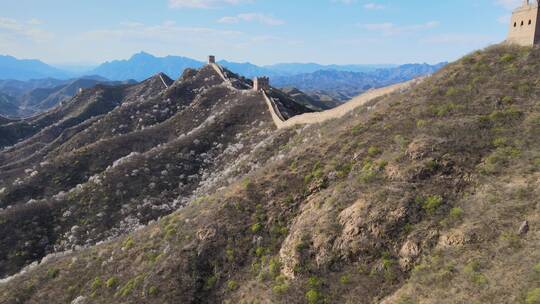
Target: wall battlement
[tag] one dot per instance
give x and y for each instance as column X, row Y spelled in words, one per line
column 261, row 83
column 525, row 25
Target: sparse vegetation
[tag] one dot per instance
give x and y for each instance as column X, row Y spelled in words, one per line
column 426, row 190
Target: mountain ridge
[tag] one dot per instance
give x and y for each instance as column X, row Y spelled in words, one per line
column 396, row 201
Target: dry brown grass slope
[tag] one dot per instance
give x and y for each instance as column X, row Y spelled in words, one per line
column 416, row 197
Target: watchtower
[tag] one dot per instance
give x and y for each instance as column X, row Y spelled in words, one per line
column 525, row 25
column 261, row 83
column 211, row 59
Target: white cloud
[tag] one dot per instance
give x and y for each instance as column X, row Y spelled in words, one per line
column 510, row 4
column 344, row 1
column 374, row 6
column 389, row 29
column 204, row 3
column 504, row 19
column 463, row 39
column 252, row 17
column 12, row 29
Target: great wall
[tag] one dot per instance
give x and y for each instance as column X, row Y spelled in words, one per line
column 261, row 84
column 337, row 112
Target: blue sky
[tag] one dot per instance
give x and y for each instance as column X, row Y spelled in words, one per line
column 258, row 31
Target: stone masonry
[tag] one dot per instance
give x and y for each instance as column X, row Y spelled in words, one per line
column 525, row 25
column 261, row 83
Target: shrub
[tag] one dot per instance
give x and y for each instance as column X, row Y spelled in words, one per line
column 373, row 151
column 473, row 271
column 313, row 296
column 501, row 156
column 533, row 296
column 343, row 170
column 507, row 100
column 507, row 58
column 153, row 290
column 432, row 203
column 505, row 116
column 128, row 243
column 210, row 282
column 232, row 285
column 421, row 123
column 127, row 289
column 451, row 92
column 111, row 282
column 52, row 273
column 274, row 267
column 345, row 279
column 537, row 268
column 314, row 282
column 97, row 283
column 444, row 109
column 255, row 228
column 456, row 213
column 316, row 173
column 281, row 285
column 371, row 170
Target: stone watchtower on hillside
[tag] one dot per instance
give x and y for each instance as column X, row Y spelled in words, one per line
column 525, row 25
column 211, row 59
column 261, row 83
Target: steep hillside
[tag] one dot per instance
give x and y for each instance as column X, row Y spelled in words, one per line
column 8, row 106
column 122, row 156
column 417, row 197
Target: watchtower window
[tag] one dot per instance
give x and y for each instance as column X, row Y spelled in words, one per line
column 530, row 22
column 515, row 24
column 522, row 23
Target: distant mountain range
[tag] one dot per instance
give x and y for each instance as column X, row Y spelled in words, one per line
column 23, row 69
column 143, row 65
column 31, row 86
column 343, row 85
column 24, row 98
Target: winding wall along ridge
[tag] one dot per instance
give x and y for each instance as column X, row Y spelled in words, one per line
column 337, row 112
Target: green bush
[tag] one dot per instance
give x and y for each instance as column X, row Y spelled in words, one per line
column 456, row 213
column 153, row 290
column 97, row 283
column 533, row 296
column 451, row 92
column 128, row 288
column 345, row 279
column 374, row 151
column 232, row 285
column 370, row 171
column 281, row 285
column 314, row 296
column 255, row 228
column 111, row 282
column 537, row 268
column 128, row 243
column 52, row 273
column 507, row 58
column 431, row 203
column 507, row 99
column 421, row 123
column 473, row 271
column 210, row 282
